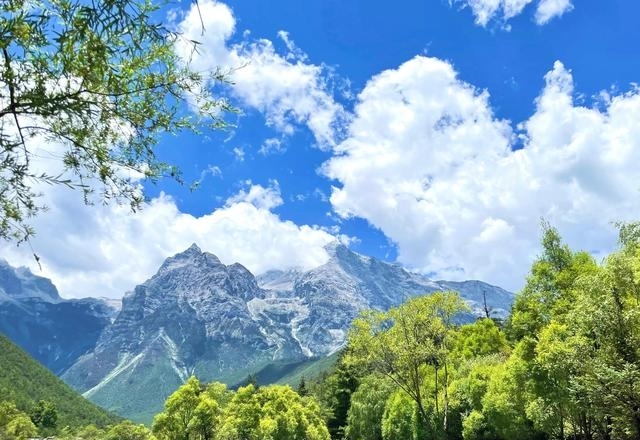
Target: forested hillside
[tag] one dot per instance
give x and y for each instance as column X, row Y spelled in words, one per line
column 25, row 382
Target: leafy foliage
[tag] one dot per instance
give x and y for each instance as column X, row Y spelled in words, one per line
column 565, row 366
column 196, row 412
column 410, row 345
column 15, row 424
column 91, row 86
column 367, row 408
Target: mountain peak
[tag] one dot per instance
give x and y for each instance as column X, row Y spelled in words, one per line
column 339, row 253
column 193, row 249
column 189, row 256
column 335, row 248
column 21, row 283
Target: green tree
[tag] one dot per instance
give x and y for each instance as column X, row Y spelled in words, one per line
column 89, row 432
column 44, row 414
column 548, row 351
column 302, row 387
column 127, row 431
column 410, row 345
column 208, row 414
column 272, row 412
column 15, row 424
column 364, row 420
column 399, row 417
column 468, row 391
column 98, row 82
column 504, row 403
column 242, row 415
column 192, row 412
column 285, row 415
column 607, row 319
column 481, row 338
column 333, row 392
column 549, row 292
column 20, row 427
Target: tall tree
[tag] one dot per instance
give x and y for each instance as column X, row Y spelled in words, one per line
column 410, row 345
column 91, row 86
column 549, row 291
column 607, row 318
column 333, row 391
column 367, row 408
column 272, row 412
column 192, row 412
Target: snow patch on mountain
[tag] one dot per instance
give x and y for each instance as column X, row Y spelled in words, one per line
column 127, row 362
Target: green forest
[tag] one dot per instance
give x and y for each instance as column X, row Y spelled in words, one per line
column 564, row 365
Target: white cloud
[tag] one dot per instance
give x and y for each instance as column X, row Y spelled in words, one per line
column 272, row 146
column 427, row 162
column 259, row 196
column 548, row 9
column 486, row 11
column 107, row 250
column 286, row 88
column 239, row 154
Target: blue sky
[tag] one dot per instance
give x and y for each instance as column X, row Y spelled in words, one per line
column 431, row 133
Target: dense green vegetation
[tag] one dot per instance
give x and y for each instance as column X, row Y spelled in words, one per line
column 26, row 383
column 213, row 412
column 564, row 366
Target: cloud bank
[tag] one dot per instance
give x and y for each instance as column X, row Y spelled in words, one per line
column 427, row 163
column 486, row 11
column 107, row 250
column 421, row 157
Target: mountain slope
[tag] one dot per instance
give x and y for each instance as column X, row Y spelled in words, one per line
column 55, row 331
column 333, row 294
column 198, row 316
column 24, row 381
column 189, row 318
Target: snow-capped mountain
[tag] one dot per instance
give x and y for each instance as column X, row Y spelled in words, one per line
column 199, row 316
column 53, row 330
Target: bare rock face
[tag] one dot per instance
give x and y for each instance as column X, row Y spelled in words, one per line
column 190, row 318
column 54, row 331
column 331, row 296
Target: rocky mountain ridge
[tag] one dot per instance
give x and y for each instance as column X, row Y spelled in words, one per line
column 199, row 316
column 55, row 331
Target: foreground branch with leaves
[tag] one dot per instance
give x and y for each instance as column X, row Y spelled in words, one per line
column 87, row 88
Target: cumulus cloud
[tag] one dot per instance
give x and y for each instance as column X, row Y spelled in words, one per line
column 427, row 162
column 238, row 153
column 486, row 11
column 286, row 88
column 107, row 250
column 272, row 146
column 548, row 9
